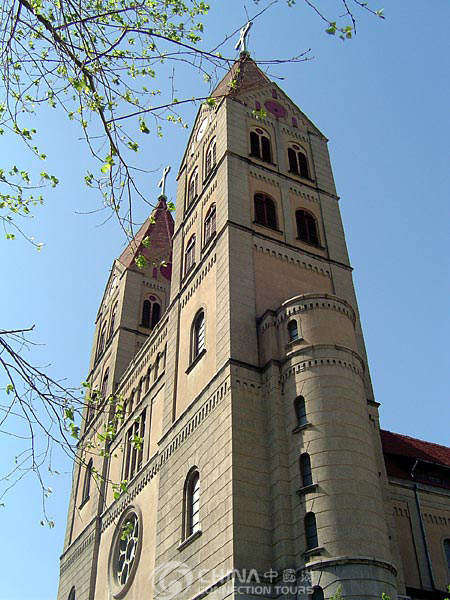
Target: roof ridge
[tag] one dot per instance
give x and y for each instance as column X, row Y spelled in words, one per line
column 409, row 437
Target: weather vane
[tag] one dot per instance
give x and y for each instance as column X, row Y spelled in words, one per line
column 162, row 182
column 242, row 43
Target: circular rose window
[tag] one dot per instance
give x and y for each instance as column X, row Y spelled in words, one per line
column 125, row 550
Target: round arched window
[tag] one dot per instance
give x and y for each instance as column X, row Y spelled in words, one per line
column 125, row 551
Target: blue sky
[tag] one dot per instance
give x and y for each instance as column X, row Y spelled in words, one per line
column 382, row 100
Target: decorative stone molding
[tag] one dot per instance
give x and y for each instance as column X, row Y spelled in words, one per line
column 435, row 519
column 290, row 257
column 308, row 302
column 304, row 195
column 73, row 554
column 190, row 222
column 295, row 134
column 210, row 191
column 198, row 280
column 264, row 178
column 315, row 363
column 352, row 560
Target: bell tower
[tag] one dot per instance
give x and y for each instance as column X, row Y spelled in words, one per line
column 260, row 444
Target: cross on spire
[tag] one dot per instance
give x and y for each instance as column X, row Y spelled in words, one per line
column 162, row 181
column 242, row 43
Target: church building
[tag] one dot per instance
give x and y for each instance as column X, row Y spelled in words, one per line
column 250, row 442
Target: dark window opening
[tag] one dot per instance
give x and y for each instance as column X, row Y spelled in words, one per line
column 318, row 594
column 260, row 146
column 311, row 531
column 305, row 470
column 193, row 187
column 292, row 330
column 307, row 227
column 298, row 163
column 211, row 157
column 87, row 481
column 189, row 255
column 146, row 311
column 300, row 411
column 210, row 223
column 156, row 313
column 265, row 211
column 134, row 448
column 447, row 552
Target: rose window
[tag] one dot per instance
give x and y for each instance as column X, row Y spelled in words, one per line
column 127, row 548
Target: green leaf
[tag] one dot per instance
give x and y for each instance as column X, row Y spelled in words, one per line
column 146, row 242
column 9, row 388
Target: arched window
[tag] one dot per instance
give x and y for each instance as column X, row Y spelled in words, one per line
column 307, row 227
column 292, row 330
column 148, row 378
column 101, row 340
column 146, row 312
column 87, row 481
column 113, row 320
column 260, row 145
column 189, row 256
column 131, row 402
column 210, row 162
column 72, row 595
column 305, row 469
column 265, row 211
column 447, row 552
column 300, row 411
column 193, row 186
column 210, row 223
column 317, row 593
column 192, row 503
column 157, row 365
column 298, row 163
column 311, row 531
column 151, row 312
column 156, row 313
column 198, row 335
column 105, row 384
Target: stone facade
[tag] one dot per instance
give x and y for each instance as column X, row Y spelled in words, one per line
column 255, row 362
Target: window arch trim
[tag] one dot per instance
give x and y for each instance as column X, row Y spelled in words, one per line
column 261, row 144
column 307, row 227
column 198, row 338
column 210, row 224
column 191, row 505
column 189, row 255
column 87, row 482
column 298, row 160
column 211, row 156
column 312, row 540
column 265, row 208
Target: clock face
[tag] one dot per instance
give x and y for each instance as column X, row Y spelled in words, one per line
column 202, row 129
column 275, row 108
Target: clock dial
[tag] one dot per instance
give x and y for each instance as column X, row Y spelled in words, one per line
column 202, row 129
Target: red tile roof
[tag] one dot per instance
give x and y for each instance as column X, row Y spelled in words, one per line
column 159, row 230
column 403, row 445
column 247, row 74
